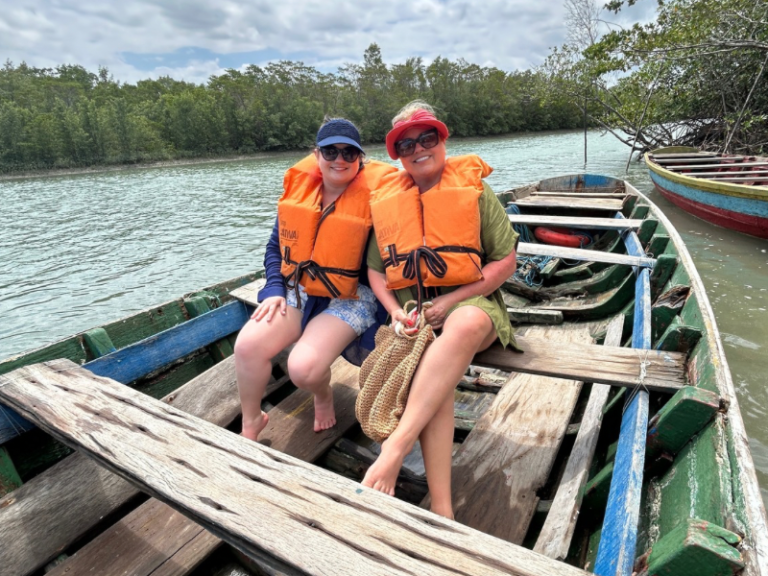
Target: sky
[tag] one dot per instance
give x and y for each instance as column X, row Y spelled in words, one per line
column 192, row 40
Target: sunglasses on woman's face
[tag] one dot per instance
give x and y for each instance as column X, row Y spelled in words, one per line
column 428, row 139
column 349, row 154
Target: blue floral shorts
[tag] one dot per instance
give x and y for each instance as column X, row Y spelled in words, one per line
column 360, row 314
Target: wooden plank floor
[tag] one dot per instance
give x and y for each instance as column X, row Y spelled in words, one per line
column 555, row 537
column 156, row 537
column 509, row 454
column 298, row 518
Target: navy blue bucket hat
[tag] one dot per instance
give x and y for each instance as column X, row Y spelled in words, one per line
column 339, row 131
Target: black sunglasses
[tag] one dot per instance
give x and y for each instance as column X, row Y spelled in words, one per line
column 428, row 139
column 349, row 154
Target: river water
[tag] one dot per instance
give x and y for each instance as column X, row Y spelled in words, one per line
column 80, row 250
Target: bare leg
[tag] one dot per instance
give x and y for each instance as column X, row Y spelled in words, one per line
column 467, row 330
column 309, row 365
column 436, row 447
column 257, row 343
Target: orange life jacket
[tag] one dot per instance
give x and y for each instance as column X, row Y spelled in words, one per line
column 431, row 239
column 323, row 249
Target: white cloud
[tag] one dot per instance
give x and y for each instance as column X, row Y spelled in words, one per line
column 510, row 34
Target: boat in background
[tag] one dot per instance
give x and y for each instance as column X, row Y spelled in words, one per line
column 614, row 445
column 729, row 190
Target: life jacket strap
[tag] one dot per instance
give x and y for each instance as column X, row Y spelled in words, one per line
column 315, row 272
column 432, row 260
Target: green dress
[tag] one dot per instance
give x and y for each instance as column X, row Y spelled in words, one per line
column 498, row 239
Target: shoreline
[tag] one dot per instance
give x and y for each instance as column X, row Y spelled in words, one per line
column 54, row 172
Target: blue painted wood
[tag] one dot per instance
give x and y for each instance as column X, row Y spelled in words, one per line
column 579, row 182
column 139, row 359
column 750, row 206
column 618, row 542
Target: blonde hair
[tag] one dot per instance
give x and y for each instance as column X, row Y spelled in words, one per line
column 410, row 109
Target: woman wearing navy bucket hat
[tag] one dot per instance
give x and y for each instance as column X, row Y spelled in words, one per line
column 313, row 263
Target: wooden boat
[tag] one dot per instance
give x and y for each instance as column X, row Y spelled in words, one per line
column 726, row 189
column 613, row 445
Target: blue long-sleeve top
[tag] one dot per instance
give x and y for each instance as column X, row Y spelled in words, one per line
column 275, row 286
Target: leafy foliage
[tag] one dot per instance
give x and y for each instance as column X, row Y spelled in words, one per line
column 695, row 75
column 69, row 117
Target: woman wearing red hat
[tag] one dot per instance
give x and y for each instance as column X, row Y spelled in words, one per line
column 316, row 252
column 440, row 235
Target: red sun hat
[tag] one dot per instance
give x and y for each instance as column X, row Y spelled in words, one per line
column 420, row 118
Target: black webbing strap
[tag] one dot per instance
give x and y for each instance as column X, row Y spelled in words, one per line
column 315, row 272
column 432, row 260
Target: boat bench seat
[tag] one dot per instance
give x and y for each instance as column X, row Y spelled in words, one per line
column 614, row 365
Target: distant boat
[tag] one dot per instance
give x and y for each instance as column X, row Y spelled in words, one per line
column 729, row 190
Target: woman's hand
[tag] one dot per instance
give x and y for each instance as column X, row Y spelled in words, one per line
column 409, row 324
column 268, row 308
column 435, row 314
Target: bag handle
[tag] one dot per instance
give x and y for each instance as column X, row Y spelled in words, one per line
column 421, row 320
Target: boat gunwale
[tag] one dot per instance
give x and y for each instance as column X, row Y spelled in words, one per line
column 754, row 508
column 756, row 193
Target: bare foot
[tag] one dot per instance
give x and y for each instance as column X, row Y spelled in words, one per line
column 382, row 475
column 325, row 415
column 252, row 429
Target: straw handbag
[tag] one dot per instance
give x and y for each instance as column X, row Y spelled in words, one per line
column 385, row 377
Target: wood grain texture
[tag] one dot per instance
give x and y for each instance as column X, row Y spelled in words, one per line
column 54, row 509
column 555, row 537
column 527, row 248
column 509, row 454
column 572, row 203
column 574, row 222
column 662, row 371
column 182, row 548
column 691, row 166
column 615, row 195
column 249, row 294
column 265, row 503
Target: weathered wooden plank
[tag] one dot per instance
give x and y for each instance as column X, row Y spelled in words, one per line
column 114, row 551
column 574, row 222
column 686, row 155
column 616, row 195
column 249, row 293
column 662, row 371
column 509, row 454
column 57, row 507
column 272, row 506
column 616, row 552
column 555, row 537
column 702, row 159
column 289, row 430
column 571, row 203
column 724, row 164
column 535, row 316
column 727, row 173
column 527, row 248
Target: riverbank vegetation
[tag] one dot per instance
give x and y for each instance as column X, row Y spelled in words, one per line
column 70, row 117
column 695, row 75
